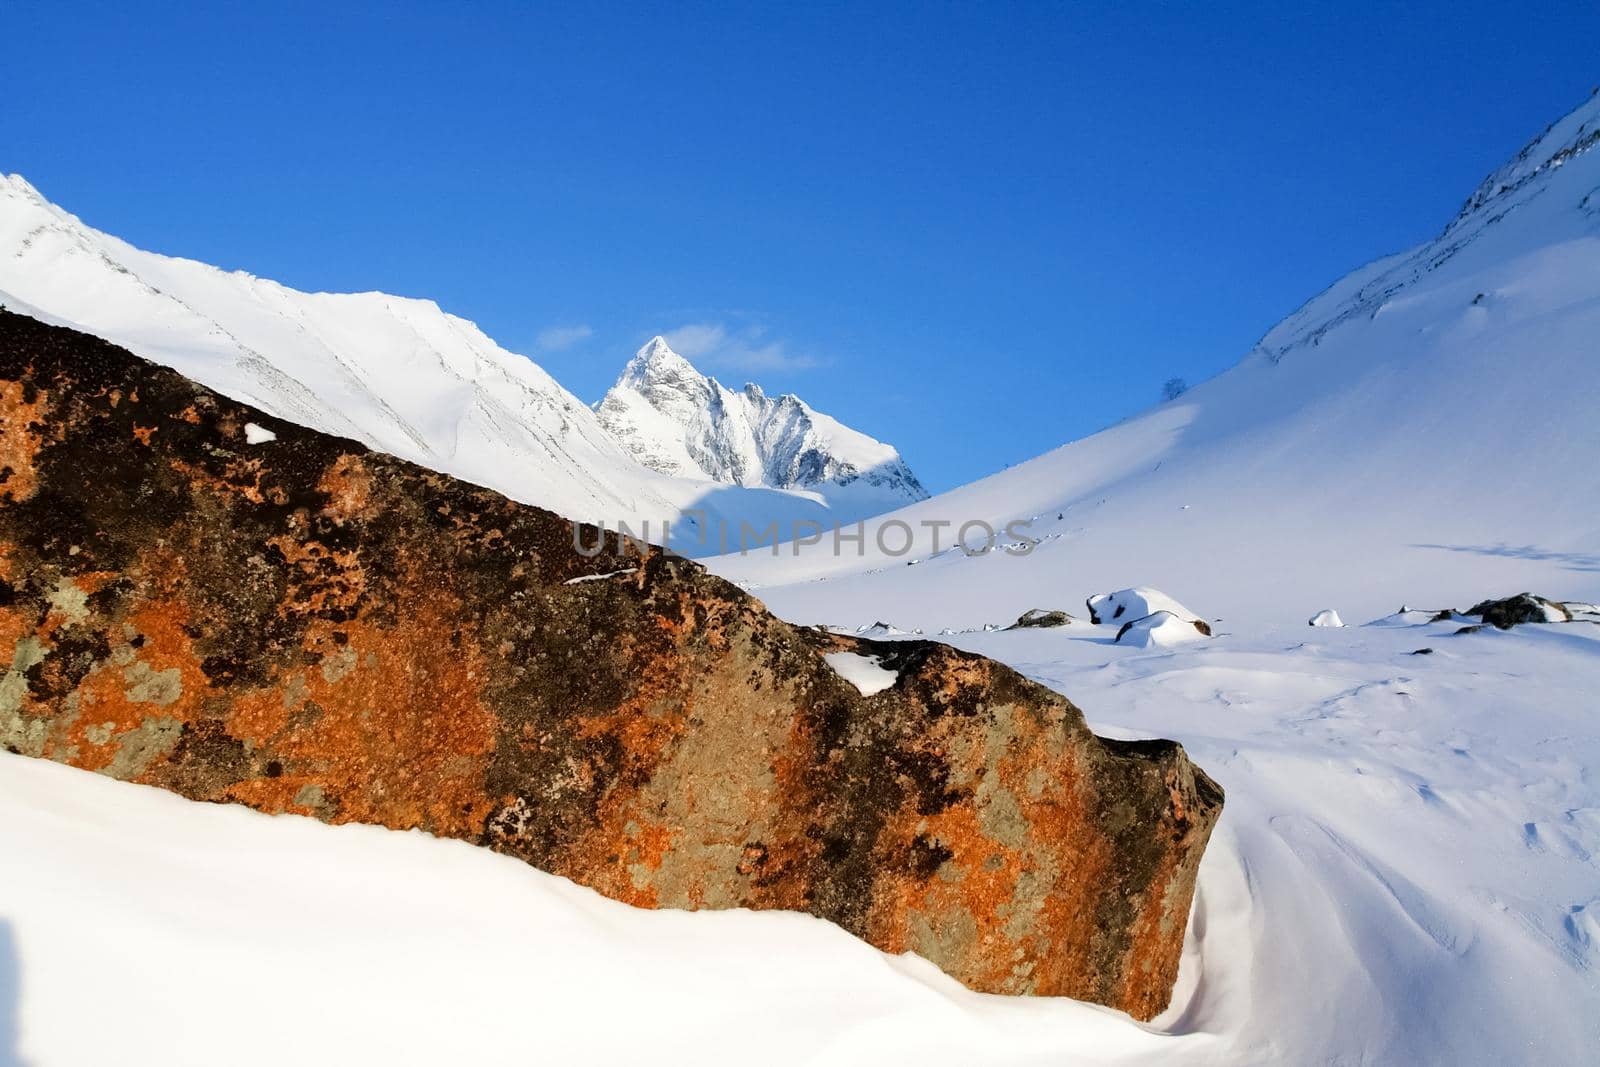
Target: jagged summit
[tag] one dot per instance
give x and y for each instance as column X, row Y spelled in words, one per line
column 656, row 361
column 675, row 420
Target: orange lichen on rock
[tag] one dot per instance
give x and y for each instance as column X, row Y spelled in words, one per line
column 22, row 433
column 305, row 626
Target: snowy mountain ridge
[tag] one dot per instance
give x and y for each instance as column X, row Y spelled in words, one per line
column 1510, row 188
column 675, row 420
column 397, row 374
column 1437, row 450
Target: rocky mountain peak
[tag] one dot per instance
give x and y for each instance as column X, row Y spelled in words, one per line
column 676, row 420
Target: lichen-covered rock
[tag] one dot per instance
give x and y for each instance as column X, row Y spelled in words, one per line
column 298, row 624
column 1517, row 610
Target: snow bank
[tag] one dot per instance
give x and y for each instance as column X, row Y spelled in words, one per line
column 144, row 928
column 1325, row 617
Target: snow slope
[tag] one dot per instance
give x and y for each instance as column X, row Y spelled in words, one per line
column 1426, row 430
column 1405, row 873
column 673, row 419
column 397, row 374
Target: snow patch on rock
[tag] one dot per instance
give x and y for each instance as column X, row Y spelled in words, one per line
column 866, row 673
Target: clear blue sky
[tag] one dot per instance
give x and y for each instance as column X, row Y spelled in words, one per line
column 975, row 231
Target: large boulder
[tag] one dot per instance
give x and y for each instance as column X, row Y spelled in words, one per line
column 1515, row 610
column 199, row 597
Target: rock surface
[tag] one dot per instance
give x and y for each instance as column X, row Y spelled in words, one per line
column 303, row 625
column 1041, row 617
column 1517, row 610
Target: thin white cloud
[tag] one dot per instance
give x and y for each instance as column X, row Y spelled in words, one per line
column 712, row 345
column 558, row 337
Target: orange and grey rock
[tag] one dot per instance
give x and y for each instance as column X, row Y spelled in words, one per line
column 303, row 625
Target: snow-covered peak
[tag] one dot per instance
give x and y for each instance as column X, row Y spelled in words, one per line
column 396, row 373
column 657, row 365
column 675, row 420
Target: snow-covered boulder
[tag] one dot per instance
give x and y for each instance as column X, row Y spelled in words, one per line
column 1325, row 617
column 1135, row 603
column 1519, row 609
column 1041, row 617
column 1162, row 629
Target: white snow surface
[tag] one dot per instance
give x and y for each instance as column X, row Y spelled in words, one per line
column 1404, row 872
column 1161, row 629
column 1424, row 429
column 397, row 374
column 866, row 673
column 675, row 420
column 1325, row 617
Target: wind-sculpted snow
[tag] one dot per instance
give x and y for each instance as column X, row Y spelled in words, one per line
column 674, row 419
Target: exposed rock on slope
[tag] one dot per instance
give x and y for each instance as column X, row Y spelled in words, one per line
column 1040, row 617
column 675, row 420
column 1519, row 609
column 302, row 625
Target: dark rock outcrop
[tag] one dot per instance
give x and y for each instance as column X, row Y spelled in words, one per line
column 302, row 625
column 1517, row 610
column 1041, row 617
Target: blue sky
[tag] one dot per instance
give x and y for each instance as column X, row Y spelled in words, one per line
column 974, row 231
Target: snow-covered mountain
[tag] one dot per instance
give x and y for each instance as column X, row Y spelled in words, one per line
column 398, row 374
column 675, row 420
column 1405, row 871
column 1426, row 431
column 1413, row 812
